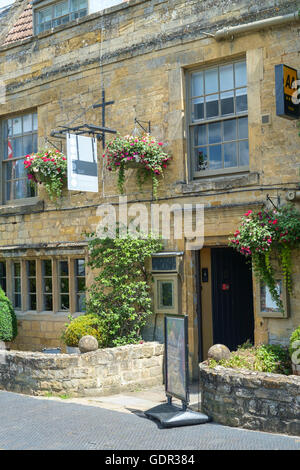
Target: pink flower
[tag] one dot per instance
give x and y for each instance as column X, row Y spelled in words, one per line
column 248, row 213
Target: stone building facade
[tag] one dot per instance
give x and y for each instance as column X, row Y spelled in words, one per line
column 204, row 93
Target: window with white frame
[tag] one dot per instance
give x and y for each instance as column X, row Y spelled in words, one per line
column 19, row 138
column 45, row 285
column 59, row 13
column 218, row 124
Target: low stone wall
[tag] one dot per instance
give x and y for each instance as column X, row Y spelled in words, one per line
column 101, row 372
column 251, row 400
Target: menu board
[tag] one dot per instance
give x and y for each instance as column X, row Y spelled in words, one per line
column 176, row 357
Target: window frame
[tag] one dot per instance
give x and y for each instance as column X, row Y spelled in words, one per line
column 190, row 124
column 167, row 277
column 51, row 4
column 24, row 281
column 4, row 161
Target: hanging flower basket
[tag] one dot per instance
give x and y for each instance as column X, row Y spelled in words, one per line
column 143, row 153
column 48, row 167
column 265, row 234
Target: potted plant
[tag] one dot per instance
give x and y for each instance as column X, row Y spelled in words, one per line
column 81, row 326
column 268, row 233
column 294, row 350
column 48, row 167
column 143, row 153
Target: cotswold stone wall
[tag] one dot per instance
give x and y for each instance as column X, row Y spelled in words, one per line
column 251, row 400
column 99, row 373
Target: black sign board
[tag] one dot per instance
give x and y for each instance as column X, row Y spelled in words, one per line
column 176, row 357
column 287, row 104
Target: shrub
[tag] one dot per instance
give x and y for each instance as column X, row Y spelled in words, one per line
column 8, row 319
column 82, row 326
column 120, row 294
column 264, row 358
column 294, row 346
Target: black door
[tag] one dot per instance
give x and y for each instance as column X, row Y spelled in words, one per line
column 232, row 298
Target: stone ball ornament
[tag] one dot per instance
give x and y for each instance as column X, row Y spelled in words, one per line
column 218, row 352
column 87, row 344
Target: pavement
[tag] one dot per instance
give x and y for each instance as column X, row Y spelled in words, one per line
column 138, row 400
column 116, row 423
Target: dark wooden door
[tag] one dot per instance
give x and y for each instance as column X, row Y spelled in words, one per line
column 232, row 298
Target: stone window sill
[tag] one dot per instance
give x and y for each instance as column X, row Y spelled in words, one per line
column 224, row 182
column 22, row 207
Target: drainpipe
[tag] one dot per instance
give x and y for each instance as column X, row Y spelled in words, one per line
column 229, row 32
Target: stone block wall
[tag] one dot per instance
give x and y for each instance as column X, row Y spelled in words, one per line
column 98, row 373
column 251, row 400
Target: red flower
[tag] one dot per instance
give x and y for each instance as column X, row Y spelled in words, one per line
column 248, row 213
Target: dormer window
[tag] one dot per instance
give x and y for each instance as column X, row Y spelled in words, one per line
column 51, row 15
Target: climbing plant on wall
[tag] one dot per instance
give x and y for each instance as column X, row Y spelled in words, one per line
column 264, row 234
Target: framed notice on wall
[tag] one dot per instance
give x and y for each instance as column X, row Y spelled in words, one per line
column 266, row 306
column 176, row 357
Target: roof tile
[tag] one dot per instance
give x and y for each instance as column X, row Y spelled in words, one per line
column 23, row 28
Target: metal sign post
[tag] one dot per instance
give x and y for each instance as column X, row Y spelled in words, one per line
column 176, row 377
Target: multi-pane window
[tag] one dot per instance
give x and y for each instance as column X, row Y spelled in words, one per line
column 31, row 284
column 80, row 284
column 219, row 121
column 47, row 285
column 19, row 138
column 3, row 275
column 17, row 285
column 59, row 13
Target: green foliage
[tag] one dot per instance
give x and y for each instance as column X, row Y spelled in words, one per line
column 144, row 151
column 273, row 358
column 120, row 295
column 267, row 233
column 293, row 346
column 264, row 358
column 82, row 326
column 8, row 319
column 50, row 168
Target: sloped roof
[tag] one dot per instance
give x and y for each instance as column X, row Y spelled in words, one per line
column 23, row 27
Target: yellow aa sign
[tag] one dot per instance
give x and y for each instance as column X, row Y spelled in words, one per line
column 289, row 76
